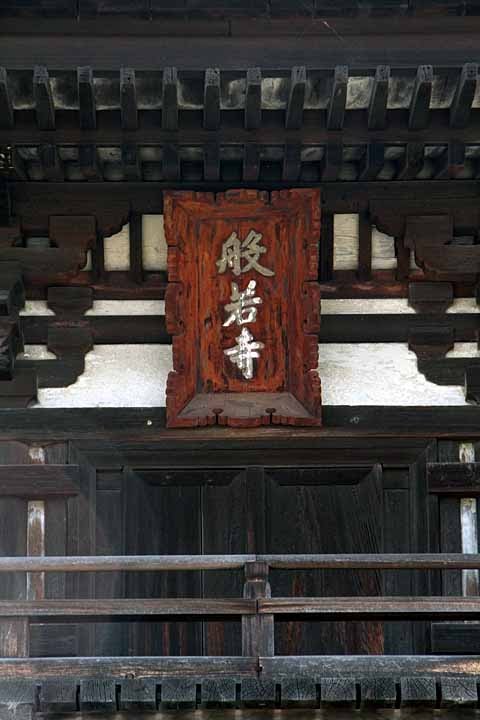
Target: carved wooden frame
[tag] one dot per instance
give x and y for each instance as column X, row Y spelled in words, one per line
column 291, row 396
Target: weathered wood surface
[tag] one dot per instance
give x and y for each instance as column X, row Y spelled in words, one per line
column 460, row 479
column 127, row 667
column 397, row 666
column 119, row 607
column 39, row 481
column 365, row 607
column 206, row 387
column 144, row 563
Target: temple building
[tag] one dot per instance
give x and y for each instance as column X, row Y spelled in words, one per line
column 239, row 358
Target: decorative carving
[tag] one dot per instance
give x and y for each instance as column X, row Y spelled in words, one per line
column 243, row 306
column 70, row 239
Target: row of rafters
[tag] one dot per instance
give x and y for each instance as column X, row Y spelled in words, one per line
column 364, row 100
column 241, row 163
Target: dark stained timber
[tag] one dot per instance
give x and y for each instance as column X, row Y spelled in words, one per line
column 42, row 93
column 90, row 163
column 420, row 103
column 331, row 162
column 251, row 162
column 373, row 162
column 128, row 99
column 6, row 107
column 412, row 162
column 377, row 109
column 460, row 109
column 39, row 481
column 170, row 99
column 460, row 479
column 86, row 99
column 253, row 99
column 338, row 99
column 51, row 163
column 291, row 162
column 211, row 100
column 296, row 98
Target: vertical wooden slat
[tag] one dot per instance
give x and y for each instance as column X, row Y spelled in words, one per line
column 460, row 109
column 128, row 99
column 253, row 99
column 52, row 166
column 86, row 99
column 291, row 162
column 89, row 163
column 373, row 162
column 412, row 162
column 331, row 162
column 211, row 162
column 211, row 99
column 42, row 94
column 6, row 107
column 326, row 246
column 170, row 162
column 420, row 103
column 296, row 98
column 131, row 163
column 170, row 99
column 364, row 247
column 377, row 109
column 338, row 98
column 257, row 630
column 36, row 547
column 251, row 163
column 136, row 247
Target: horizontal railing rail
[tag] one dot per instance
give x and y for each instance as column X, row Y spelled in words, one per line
column 256, row 609
column 156, row 563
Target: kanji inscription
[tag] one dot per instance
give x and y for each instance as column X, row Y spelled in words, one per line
column 243, row 307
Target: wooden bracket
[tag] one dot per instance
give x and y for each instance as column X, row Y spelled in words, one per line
column 430, row 297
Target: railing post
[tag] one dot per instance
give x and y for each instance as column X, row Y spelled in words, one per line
column 257, row 630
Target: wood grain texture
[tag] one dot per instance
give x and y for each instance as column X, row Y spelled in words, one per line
column 205, row 386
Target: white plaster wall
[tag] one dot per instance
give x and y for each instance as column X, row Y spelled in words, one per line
column 367, row 374
column 352, row 374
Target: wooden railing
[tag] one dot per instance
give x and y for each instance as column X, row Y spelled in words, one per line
column 257, row 610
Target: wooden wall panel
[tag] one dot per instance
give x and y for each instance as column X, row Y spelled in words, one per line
column 165, row 519
column 311, row 517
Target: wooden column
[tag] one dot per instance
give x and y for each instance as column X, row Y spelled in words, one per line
column 257, row 630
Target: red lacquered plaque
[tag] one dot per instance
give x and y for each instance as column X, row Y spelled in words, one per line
column 243, row 307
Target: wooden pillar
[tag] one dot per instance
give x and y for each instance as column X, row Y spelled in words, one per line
column 257, row 630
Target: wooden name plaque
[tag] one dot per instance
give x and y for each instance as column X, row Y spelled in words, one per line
column 243, row 307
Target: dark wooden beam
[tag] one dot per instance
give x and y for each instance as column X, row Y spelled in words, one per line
column 131, row 162
column 39, row 481
column 338, row 99
column 331, row 162
column 42, row 94
column 291, row 162
column 377, row 109
column 211, row 161
column 460, row 109
column 128, row 99
column 296, row 98
column 451, row 162
column 253, row 99
column 251, row 162
column 86, row 99
column 51, row 164
column 121, row 607
column 364, row 247
column 373, row 161
column 170, row 99
column 420, row 103
column 6, row 107
column 412, row 162
column 131, row 667
column 136, row 247
column 326, row 246
column 170, row 162
column 89, row 163
column 460, row 479
column 455, row 638
column 372, row 607
column 211, row 99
